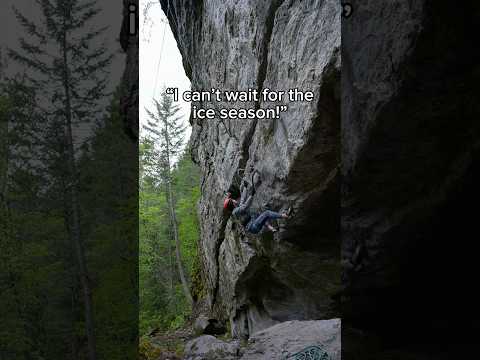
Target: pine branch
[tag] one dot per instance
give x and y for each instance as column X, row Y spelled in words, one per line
column 50, row 12
column 83, row 18
column 32, row 49
column 30, row 27
column 33, row 62
column 84, row 40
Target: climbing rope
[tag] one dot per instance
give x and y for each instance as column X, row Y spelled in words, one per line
column 159, row 60
column 177, row 28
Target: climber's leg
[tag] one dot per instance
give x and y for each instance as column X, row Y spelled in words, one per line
column 270, row 227
column 257, row 225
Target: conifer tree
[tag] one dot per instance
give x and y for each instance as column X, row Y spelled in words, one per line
column 167, row 132
column 67, row 66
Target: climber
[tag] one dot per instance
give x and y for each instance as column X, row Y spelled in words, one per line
column 252, row 222
column 231, row 196
column 231, row 201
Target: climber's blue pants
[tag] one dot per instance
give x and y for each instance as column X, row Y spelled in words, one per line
column 256, row 225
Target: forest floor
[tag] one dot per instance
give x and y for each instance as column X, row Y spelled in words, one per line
column 167, row 345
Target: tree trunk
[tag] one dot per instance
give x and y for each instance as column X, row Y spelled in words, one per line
column 3, row 161
column 173, row 219
column 74, row 228
column 73, row 336
column 172, row 268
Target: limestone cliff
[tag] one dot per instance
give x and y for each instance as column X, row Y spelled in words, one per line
column 275, row 44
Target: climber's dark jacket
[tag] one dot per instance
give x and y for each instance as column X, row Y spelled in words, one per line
column 242, row 212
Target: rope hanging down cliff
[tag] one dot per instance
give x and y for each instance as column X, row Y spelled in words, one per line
column 159, row 60
column 173, row 17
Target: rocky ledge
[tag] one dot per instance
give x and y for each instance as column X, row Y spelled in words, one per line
column 282, row 341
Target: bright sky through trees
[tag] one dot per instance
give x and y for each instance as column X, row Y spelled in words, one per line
column 158, row 44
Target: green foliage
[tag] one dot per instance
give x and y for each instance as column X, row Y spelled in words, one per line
column 155, row 349
column 42, row 315
column 162, row 302
column 34, row 274
column 110, row 235
column 169, row 191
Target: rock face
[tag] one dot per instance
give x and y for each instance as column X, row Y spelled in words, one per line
column 410, row 169
column 256, row 282
column 277, row 342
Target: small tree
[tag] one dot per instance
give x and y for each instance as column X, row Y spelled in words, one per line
column 167, row 132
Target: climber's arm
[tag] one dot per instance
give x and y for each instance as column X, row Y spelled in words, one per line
column 243, row 208
column 244, row 195
column 248, row 202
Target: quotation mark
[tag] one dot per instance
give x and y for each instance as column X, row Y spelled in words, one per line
column 347, row 10
column 172, row 91
column 132, row 18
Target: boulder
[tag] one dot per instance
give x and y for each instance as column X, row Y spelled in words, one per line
column 293, row 337
column 208, row 347
column 281, row 341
